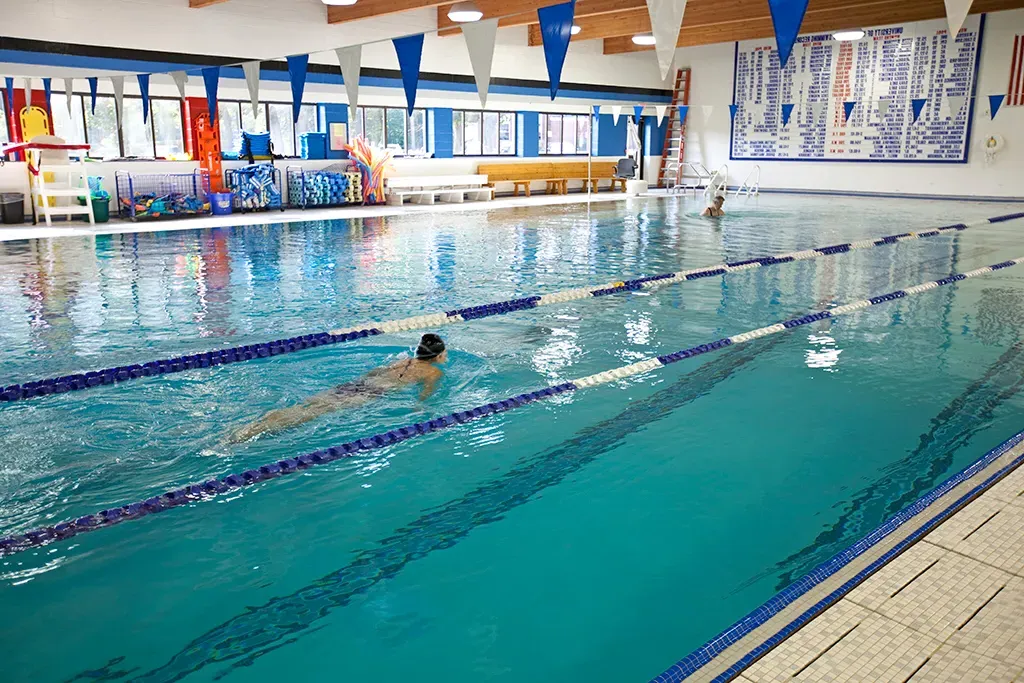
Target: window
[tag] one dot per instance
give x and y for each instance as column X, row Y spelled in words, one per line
column 71, row 126
column 161, row 136
column 272, row 117
column 564, row 134
column 101, row 129
column 4, row 136
column 487, row 133
column 391, row 128
column 168, row 134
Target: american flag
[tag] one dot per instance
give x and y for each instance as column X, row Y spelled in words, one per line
column 1015, row 91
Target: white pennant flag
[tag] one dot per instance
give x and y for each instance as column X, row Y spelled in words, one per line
column 616, row 110
column 956, row 103
column 118, row 83
column 660, row 109
column 883, row 107
column 349, row 59
column 28, row 91
column 252, row 79
column 666, row 20
column 706, row 110
column 69, row 88
column 817, row 108
column 480, row 37
column 956, row 13
column 180, row 78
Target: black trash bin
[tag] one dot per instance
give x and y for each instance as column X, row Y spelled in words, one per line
column 12, row 207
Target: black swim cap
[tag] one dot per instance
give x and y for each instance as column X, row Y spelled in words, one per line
column 431, row 346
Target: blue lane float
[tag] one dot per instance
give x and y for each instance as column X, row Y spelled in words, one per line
column 77, row 382
column 212, row 487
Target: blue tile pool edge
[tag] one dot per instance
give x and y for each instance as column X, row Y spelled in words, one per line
column 708, row 652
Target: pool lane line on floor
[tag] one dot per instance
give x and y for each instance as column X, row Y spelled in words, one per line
column 67, row 529
column 77, row 382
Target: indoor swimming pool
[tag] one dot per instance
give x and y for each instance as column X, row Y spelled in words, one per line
column 600, row 534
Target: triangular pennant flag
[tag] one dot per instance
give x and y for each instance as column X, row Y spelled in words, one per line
column 409, row 50
column 48, row 91
column 297, row 67
column 883, row 107
column 180, row 78
column 787, row 112
column 211, row 80
column 994, row 102
column 616, row 112
column 555, row 31
column 480, row 37
column 706, row 110
column 817, row 108
column 144, row 91
column 94, row 85
column 848, row 109
column 69, row 89
column 787, row 15
column 9, row 82
column 597, row 110
column 733, row 108
column 917, row 105
column 117, row 82
column 638, row 111
column 956, row 13
column 666, row 20
column 956, row 103
column 660, row 110
column 252, row 79
column 683, row 110
column 349, row 59
column 28, row 91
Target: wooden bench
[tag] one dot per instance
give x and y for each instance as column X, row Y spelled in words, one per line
column 556, row 175
column 424, row 189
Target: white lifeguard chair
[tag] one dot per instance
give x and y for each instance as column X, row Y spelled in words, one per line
column 58, row 177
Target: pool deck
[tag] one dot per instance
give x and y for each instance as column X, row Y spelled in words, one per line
column 78, row 228
column 950, row 607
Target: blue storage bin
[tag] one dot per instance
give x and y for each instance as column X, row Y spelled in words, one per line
column 313, row 145
column 221, row 202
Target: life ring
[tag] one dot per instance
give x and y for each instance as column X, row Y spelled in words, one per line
column 993, row 143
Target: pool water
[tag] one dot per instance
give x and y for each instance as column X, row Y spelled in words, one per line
column 599, row 535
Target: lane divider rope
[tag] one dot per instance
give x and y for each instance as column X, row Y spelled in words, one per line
column 212, row 487
column 77, row 382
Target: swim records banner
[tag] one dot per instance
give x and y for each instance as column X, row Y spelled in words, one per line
column 884, row 73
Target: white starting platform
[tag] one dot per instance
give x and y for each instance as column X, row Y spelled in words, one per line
column 451, row 189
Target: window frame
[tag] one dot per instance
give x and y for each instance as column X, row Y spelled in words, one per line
column 542, row 120
column 266, row 117
column 360, row 112
column 82, row 98
column 499, row 112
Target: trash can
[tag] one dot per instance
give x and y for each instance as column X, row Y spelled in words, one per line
column 101, row 209
column 12, row 207
column 221, row 203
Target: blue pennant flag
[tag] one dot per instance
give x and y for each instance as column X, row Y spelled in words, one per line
column 847, row 109
column 297, row 67
column 733, row 108
column 683, row 108
column 94, row 84
column 10, row 93
column 555, row 31
column 211, row 79
column 787, row 15
column 48, row 90
column 409, row 50
column 638, row 111
column 144, row 91
column 994, row 102
column 787, row 111
column 917, row 105
column 597, row 110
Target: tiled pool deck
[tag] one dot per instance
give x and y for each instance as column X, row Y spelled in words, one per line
column 949, row 608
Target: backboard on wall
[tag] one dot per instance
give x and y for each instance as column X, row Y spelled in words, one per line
column 881, row 74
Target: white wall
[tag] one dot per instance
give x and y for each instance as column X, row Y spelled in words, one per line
column 712, row 73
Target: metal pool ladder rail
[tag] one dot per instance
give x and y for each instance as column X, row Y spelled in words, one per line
column 751, row 188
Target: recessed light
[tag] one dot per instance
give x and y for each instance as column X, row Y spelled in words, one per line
column 338, row 2
column 643, row 39
column 848, row 35
column 575, row 30
column 465, row 12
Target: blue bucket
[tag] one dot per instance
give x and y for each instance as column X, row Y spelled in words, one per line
column 221, row 203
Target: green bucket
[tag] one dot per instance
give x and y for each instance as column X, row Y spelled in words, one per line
column 101, row 209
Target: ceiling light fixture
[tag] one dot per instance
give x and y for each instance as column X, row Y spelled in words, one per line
column 338, row 2
column 848, row 35
column 575, row 30
column 465, row 12
column 643, row 39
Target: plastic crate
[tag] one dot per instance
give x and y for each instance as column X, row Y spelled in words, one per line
column 156, row 195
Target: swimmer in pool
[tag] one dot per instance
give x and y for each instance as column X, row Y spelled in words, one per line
column 422, row 369
column 714, row 210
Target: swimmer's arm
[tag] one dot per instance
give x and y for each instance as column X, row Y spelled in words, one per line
column 429, row 385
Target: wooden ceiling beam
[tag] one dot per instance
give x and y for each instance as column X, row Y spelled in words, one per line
column 196, row 4
column 364, row 9
column 524, row 12
column 627, row 23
